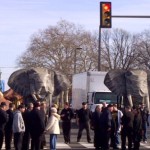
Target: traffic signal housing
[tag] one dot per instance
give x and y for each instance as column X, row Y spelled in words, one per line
column 105, row 14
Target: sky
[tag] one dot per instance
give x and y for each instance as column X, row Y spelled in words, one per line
column 20, row 19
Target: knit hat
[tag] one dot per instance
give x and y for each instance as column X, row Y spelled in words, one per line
column 53, row 110
column 55, row 106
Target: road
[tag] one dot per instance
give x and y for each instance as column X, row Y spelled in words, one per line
column 83, row 144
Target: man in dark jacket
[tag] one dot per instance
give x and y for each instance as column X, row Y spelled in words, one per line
column 105, row 126
column 83, row 120
column 145, row 123
column 66, row 116
column 8, row 127
column 137, row 128
column 37, row 127
column 95, row 123
column 127, row 128
column 26, row 118
column 3, row 121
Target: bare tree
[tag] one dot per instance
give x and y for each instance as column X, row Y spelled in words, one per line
column 143, row 48
column 118, row 49
column 70, row 49
column 56, row 47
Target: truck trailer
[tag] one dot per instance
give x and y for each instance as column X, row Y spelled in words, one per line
column 89, row 87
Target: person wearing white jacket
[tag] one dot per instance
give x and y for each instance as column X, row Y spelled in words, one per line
column 53, row 128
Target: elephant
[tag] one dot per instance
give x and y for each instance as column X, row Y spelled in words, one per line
column 132, row 85
column 38, row 83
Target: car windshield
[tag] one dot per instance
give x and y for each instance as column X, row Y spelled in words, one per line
column 107, row 97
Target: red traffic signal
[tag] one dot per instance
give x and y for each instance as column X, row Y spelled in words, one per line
column 105, row 14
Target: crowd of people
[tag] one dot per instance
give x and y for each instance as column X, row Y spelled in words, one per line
column 109, row 123
column 27, row 125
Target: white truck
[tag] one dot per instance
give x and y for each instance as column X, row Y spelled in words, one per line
column 89, row 87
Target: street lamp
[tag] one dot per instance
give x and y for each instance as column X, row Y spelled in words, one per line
column 75, row 58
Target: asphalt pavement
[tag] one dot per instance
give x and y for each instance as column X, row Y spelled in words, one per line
column 83, row 144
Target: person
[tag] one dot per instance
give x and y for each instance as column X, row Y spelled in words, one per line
column 83, row 121
column 53, row 128
column 137, row 128
column 43, row 109
column 66, row 116
column 26, row 118
column 116, row 126
column 127, row 128
column 95, row 124
column 104, row 106
column 8, row 127
column 18, row 127
column 145, row 122
column 3, row 121
column 105, row 126
column 36, row 127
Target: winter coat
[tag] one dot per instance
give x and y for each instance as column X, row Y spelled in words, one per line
column 84, row 115
column 137, row 128
column 53, row 124
column 18, row 122
column 36, row 123
column 68, row 115
column 106, row 120
column 3, row 119
column 8, row 126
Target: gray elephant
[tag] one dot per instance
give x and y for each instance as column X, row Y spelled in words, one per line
column 132, row 85
column 37, row 83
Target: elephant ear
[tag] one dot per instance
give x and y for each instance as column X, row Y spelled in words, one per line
column 138, row 78
column 61, row 83
column 148, row 79
column 17, row 79
column 30, row 81
column 115, row 81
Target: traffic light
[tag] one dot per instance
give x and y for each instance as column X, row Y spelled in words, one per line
column 105, row 14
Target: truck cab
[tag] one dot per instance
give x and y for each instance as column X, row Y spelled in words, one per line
column 95, row 98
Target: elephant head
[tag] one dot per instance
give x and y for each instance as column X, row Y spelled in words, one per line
column 37, row 83
column 131, row 84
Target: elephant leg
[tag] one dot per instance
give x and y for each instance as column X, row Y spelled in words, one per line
column 34, row 97
column 146, row 102
column 67, row 95
column 130, row 100
column 49, row 102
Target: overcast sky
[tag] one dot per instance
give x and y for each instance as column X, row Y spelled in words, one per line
column 20, row 19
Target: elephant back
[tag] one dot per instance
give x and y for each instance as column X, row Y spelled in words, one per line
column 115, row 81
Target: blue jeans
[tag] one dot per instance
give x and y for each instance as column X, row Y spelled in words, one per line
column 53, row 140
column 117, row 141
column 145, row 131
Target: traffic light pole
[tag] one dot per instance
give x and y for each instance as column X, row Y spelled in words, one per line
column 116, row 16
column 99, row 51
column 105, row 22
column 99, row 48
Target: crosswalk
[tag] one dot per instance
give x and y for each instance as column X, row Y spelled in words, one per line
column 85, row 145
column 81, row 145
